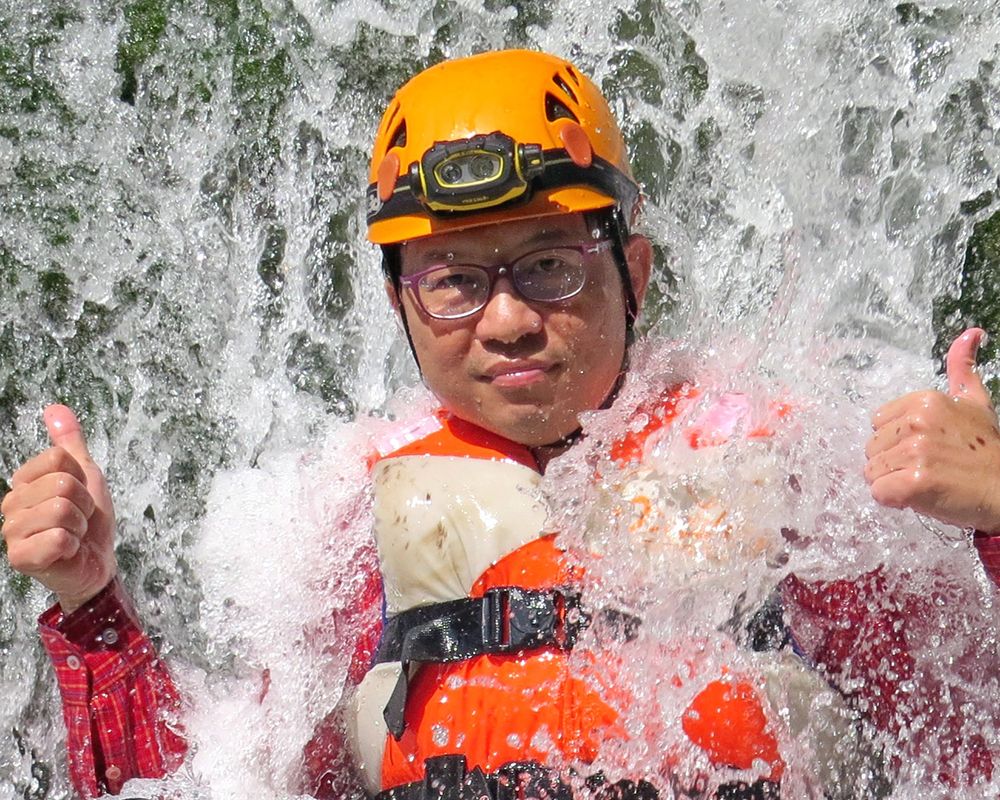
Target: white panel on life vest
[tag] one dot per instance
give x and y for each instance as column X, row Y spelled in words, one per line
column 441, row 521
column 366, row 726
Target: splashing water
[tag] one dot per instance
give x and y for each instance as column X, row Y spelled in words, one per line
column 182, row 259
column 747, row 487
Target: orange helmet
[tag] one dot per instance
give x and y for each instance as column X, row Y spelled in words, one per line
column 494, row 137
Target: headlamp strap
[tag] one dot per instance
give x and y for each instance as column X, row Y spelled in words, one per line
column 558, row 171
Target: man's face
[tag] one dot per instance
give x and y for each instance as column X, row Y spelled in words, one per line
column 519, row 368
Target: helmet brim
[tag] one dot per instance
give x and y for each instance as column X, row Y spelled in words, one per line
column 563, row 200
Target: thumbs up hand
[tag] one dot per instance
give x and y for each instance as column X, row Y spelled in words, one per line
column 59, row 521
column 938, row 453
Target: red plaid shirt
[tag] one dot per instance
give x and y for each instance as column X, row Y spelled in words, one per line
column 122, row 710
column 121, row 707
column 989, row 552
column 119, row 703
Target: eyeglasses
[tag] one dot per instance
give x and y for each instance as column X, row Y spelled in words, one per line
column 453, row 291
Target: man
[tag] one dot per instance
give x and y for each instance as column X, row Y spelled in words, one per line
column 502, row 198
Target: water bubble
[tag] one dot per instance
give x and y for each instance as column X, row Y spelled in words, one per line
column 440, row 735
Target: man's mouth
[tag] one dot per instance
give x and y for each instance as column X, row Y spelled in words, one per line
column 517, row 374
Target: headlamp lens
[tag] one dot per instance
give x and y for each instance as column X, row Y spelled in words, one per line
column 451, row 173
column 485, row 166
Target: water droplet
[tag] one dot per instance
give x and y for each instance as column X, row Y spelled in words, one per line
column 440, row 735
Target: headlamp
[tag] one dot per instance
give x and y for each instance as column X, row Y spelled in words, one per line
column 486, row 171
column 475, row 173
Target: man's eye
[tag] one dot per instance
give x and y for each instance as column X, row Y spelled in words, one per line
column 449, row 281
column 545, row 265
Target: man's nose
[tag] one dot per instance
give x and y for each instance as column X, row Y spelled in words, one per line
column 507, row 316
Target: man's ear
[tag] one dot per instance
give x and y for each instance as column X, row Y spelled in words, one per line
column 639, row 255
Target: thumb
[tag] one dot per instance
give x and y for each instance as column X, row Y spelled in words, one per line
column 65, row 432
column 960, row 363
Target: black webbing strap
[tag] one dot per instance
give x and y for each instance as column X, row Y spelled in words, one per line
column 560, row 170
column 504, row 620
column 447, row 778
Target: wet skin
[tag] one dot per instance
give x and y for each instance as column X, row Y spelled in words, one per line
column 524, row 369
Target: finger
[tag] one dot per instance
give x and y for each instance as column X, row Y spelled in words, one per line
column 53, row 460
column 64, row 431
column 46, row 487
column 888, row 436
column 56, row 512
column 39, row 552
column 961, row 367
column 916, row 452
column 911, row 487
column 908, row 455
column 894, row 409
column 894, row 489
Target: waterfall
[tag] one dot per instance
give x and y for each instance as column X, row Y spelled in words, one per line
column 183, row 261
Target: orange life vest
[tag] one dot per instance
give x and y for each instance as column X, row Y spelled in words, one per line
column 500, row 708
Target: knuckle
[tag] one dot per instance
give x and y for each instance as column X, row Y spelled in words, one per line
column 885, row 497
column 15, row 555
column 9, row 503
column 59, row 460
column 937, row 408
column 11, row 524
column 67, row 515
column 52, row 459
column 63, row 486
column 61, row 537
column 66, row 485
column 936, row 401
column 919, row 448
column 26, row 559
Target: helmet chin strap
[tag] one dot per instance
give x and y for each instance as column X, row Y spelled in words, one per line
column 406, row 329
column 618, row 233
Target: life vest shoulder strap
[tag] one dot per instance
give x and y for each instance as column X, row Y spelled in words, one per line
column 713, row 426
column 442, row 434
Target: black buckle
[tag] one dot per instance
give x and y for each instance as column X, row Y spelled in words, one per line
column 517, row 619
column 528, row 780
column 448, row 778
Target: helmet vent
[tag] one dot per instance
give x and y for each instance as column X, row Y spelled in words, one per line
column 398, row 138
column 558, row 81
column 572, row 73
column 557, row 109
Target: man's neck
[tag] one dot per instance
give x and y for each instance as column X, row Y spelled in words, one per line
column 545, row 453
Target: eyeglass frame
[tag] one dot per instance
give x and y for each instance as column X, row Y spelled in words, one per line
column 495, row 271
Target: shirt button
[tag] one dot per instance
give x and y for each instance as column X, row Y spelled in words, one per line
column 73, row 662
column 113, row 773
column 109, row 636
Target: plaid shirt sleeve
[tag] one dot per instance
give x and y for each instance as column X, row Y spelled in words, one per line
column 988, row 546
column 857, row 630
column 120, row 706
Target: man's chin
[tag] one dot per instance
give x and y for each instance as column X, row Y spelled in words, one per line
column 533, row 428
